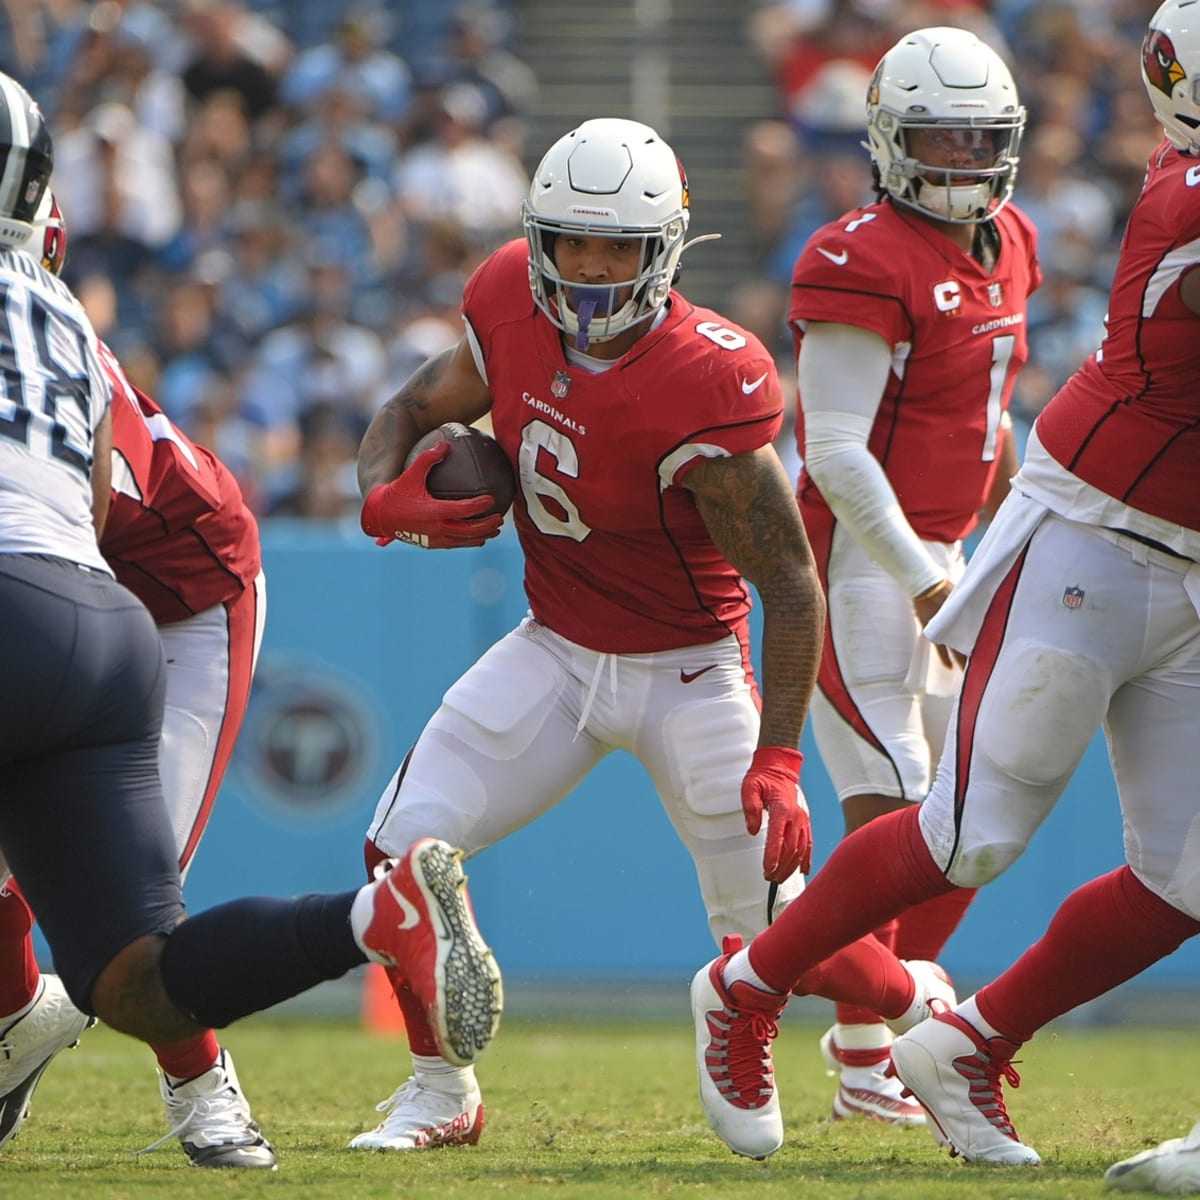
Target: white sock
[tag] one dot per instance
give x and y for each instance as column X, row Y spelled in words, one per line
column 361, row 913
column 969, row 1011
column 739, row 970
column 442, row 1076
column 863, row 1037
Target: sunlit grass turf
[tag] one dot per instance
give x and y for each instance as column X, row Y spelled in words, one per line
column 586, row 1109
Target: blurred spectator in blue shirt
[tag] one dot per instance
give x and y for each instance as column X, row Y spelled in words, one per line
column 479, row 55
column 356, row 63
column 461, row 174
column 322, row 357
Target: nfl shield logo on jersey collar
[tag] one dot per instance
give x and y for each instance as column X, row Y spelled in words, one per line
column 995, row 294
column 560, row 385
column 1073, row 597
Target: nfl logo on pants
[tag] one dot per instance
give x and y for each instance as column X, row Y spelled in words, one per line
column 1073, row 597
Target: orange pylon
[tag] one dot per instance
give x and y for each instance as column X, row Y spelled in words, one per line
column 380, row 1012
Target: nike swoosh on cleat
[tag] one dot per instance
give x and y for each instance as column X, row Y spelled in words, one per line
column 412, row 918
column 750, row 388
column 689, row 676
column 839, row 260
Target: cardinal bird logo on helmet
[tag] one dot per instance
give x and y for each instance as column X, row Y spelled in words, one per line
column 54, row 240
column 686, row 202
column 1160, row 61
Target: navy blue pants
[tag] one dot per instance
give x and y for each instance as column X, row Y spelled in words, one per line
column 83, row 824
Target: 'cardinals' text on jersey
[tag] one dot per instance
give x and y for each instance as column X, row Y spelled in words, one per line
column 958, row 338
column 617, row 556
column 178, row 535
column 1128, row 422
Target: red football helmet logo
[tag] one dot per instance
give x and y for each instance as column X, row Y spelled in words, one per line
column 1160, row 62
column 54, row 240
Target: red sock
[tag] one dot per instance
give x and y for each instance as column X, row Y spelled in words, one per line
column 865, row 977
column 924, row 930
column 19, row 974
column 1104, row 933
column 189, row 1058
column 420, row 1036
column 856, row 1014
column 416, row 1024
column 875, row 873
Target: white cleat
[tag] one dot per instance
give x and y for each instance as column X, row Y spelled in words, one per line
column 1171, row 1168
column 955, row 1072
column 734, row 1030
column 421, row 1117
column 865, row 1088
column 211, row 1118
column 27, row 1046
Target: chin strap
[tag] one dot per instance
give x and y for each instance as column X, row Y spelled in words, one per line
column 704, row 237
column 14, row 232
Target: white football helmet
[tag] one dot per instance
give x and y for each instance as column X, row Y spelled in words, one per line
column 945, row 79
column 607, row 178
column 1171, row 71
column 27, row 155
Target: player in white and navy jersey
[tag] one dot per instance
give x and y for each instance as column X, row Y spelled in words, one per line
column 83, row 824
column 179, row 536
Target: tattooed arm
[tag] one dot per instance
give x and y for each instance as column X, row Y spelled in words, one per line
column 448, row 387
column 747, row 505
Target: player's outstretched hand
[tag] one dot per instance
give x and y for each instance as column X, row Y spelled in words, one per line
column 772, row 786
column 927, row 606
column 404, row 511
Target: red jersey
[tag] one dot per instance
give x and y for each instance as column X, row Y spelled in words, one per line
column 957, row 333
column 1128, row 421
column 178, row 534
column 617, row 557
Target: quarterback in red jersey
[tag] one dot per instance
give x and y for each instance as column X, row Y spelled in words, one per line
column 909, row 322
column 1080, row 609
column 179, row 536
column 640, row 428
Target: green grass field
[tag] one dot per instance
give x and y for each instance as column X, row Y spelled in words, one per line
column 587, row 1109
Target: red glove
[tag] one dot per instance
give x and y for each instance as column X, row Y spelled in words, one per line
column 404, row 511
column 772, row 785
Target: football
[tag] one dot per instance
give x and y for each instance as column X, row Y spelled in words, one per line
column 475, row 466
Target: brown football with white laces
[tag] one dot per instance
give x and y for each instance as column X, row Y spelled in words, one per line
column 475, row 466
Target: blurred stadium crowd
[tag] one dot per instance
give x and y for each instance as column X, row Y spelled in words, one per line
column 271, row 210
column 273, row 205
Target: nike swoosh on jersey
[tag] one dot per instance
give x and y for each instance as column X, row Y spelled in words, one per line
column 689, row 676
column 748, row 388
column 839, row 259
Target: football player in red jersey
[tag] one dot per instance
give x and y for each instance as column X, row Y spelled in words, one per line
column 180, row 537
column 909, row 323
column 1078, row 611
column 640, row 427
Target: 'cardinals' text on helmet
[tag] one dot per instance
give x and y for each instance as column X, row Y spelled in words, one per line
column 945, row 79
column 608, row 178
column 1171, row 71
column 26, row 159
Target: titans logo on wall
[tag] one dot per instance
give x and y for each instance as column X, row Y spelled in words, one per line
column 309, row 743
